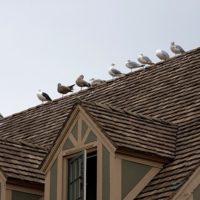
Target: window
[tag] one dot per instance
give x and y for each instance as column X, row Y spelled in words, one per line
column 82, row 173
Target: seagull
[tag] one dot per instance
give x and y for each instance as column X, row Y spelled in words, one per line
column 176, row 48
column 82, row 83
column 1, row 116
column 162, row 55
column 95, row 82
column 132, row 65
column 114, row 72
column 65, row 89
column 144, row 59
column 43, row 96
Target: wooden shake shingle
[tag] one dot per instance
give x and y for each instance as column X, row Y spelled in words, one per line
column 154, row 111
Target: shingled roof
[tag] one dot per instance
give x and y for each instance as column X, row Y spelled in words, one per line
column 143, row 134
column 20, row 160
column 168, row 90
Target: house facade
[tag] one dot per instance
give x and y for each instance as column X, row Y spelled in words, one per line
column 135, row 137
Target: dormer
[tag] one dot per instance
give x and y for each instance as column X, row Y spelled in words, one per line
column 106, row 153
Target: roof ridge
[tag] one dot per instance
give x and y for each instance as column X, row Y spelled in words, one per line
column 22, row 142
column 92, row 88
column 126, row 111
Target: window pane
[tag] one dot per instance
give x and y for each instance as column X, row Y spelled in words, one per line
column 76, row 178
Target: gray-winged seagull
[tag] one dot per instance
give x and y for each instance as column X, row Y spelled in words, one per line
column 144, row 59
column 176, row 48
column 114, row 72
column 132, row 65
column 95, row 82
column 161, row 54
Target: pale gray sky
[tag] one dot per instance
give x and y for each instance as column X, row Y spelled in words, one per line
column 43, row 42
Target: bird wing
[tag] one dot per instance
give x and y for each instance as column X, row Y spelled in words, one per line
column 180, row 48
column 115, row 71
column 85, row 83
column 71, row 87
column 46, row 96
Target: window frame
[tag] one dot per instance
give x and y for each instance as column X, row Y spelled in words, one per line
column 72, row 156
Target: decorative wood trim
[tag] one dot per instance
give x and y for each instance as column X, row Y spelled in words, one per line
column 145, row 180
column 187, row 189
column 115, row 178
column 65, row 178
column 59, row 176
column 97, row 131
column 3, row 190
column 3, row 186
column 60, row 141
column 140, row 160
column 79, row 148
column 47, row 186
column 8, row 195
column 24, row 189
column 79, row 131
column 99, row 171
column 73, row 140
column 2, row 177
column 77, row 114
column 86, row 135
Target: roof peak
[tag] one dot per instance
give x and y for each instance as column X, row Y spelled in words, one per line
column 124, row 111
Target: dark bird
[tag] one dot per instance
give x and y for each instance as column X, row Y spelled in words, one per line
column 62, row 89
column 81, row 82
column 42, row 96
column 1, row 116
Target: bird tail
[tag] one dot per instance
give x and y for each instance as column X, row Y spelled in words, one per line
column 71, row 87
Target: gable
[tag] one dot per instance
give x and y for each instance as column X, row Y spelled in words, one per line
column 81, row 133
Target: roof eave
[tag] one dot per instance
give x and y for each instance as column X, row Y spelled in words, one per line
column 144, row 155
column 26, row 183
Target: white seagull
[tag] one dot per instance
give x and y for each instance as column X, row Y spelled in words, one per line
column 42, row 96
column 114, row 72
column 81, row 82
column 162, row 55
column 176, row 48
column 95, row 82
column 62, row 89
column 132, row 65
column 144, row 59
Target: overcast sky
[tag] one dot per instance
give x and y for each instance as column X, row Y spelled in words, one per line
column 43, row 42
